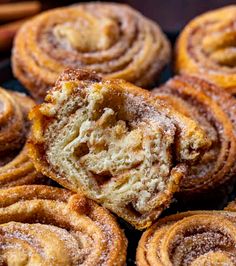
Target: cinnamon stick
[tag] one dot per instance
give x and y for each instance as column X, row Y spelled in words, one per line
column 7, row 33
column 13, row 11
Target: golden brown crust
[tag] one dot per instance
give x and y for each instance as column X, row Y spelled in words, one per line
column 190, row 238
column 115, row 143
column 112, row 39
column 15, row 165
column 215, row 111
column 41, row 225
column 231, row 206
column 206, row 48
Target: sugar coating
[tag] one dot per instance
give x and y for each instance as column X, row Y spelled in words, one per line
column 117, row 145
column 43, row 225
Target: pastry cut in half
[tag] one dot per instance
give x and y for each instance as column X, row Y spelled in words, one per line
column 115, row 143
column 193, row 238
column 110, row 38
column 16, row 167
column 42, row 225
column 215, row 111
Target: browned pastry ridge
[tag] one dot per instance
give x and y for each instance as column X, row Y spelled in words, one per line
column 190, row 239
column 114, row 142
column 42, row 225
column 111, row 39
column 231, row 206
column 215, row 111
column 15, row 165
column 206, row 48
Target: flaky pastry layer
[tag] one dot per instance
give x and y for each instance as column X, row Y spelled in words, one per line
column 190, row 239
column 206, row 48
column 111, row 39
column 15, row 165
column 42, row 225
column 115, row 143
column 215, row 112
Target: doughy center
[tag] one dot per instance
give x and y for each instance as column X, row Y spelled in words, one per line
column 113, row 153
column 87, row 33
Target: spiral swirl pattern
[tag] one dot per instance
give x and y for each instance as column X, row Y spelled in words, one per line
column 215, row 111
column 15, row 165
column 112, row 39
column 206, row 48
column 41, row 225
column 190, row 239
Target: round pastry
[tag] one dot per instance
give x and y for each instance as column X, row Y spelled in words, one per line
column 215, row 111
column 112, row 39
column 115, row 143
column 191, row 239
column 15, row 165
column 206, row 48
column 42, row 225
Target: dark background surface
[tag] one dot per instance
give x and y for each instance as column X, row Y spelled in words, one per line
column 172, row 15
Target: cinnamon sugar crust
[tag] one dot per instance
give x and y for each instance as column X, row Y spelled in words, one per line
column 42, row 225
column 115, row 143
column 110, row 38
column 206, row 48
column 215, row 112
column 190, row 239
column 15, row 165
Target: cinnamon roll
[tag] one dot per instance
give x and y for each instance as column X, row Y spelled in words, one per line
column 112, row 39
column 206, row 48
column 115, row 143
column 15, row 165
column 42, row 225
column 190, row 239
column 215, row 111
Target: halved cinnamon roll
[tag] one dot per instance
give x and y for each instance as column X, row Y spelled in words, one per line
column 206, row 48
column 112, row 39
column 215, row 111
column 115, row 143
column 190, row 238
column 15, row 165
column 42, row 225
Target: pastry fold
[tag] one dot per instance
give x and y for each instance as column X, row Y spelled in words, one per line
column 190, row 238
column 231, row 206
column 111, row 39
column 114, row 142
column 206, row 48
column 42, row 225
column 214, row 110
column 15, row 165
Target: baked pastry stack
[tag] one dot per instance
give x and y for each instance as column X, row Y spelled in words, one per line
column 112, row 39
column 215, row 112
column 190, row 238
column 206, row 48
column 41, row 225
column 15, row 165
column 114, row 142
